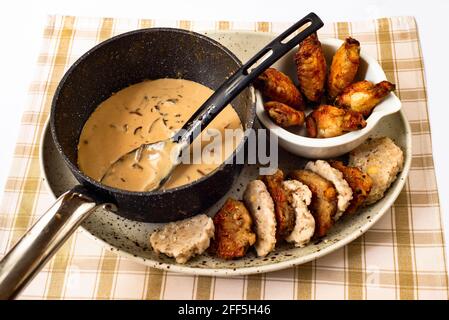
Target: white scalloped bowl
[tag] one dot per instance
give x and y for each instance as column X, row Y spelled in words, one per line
column 295, row 140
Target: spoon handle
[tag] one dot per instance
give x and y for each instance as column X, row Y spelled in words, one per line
column 245, row 75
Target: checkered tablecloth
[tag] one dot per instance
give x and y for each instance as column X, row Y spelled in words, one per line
column 401, row 257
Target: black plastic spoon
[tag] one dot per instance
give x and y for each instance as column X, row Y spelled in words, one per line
column 140, row 162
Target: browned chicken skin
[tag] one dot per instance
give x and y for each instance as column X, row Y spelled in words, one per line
column 277, row 86
column 233, row 235
column 311, row 68
column 359, row 182
column 364, row 95
column 345, row 64
column 285, row 214
column 324, row 199
column 284, row 115
column 329, row 121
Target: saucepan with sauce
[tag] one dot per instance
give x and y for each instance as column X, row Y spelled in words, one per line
column 136, row 89
column 141, row 87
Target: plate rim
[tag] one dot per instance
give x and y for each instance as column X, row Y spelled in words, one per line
column 275, row 266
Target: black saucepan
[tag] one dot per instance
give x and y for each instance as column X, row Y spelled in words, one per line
column 113, row 65
column 131, row 58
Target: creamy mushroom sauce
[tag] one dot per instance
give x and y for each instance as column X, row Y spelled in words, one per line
column 149, row 112
column 145, row 169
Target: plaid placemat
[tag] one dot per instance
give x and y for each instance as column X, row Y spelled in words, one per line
column 401, row 257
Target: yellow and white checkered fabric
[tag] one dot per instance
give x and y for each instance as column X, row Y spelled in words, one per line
column 401, row 257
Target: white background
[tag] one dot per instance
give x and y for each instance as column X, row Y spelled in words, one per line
column 22, row 22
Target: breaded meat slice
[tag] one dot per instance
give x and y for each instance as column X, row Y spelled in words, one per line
column 324, row 199
column 261, row 207
column 344, row 191
column 359, row 182
column 233, row 234
column 285, row 215
column 299, row 197
column 183, row 239
column 382, row 160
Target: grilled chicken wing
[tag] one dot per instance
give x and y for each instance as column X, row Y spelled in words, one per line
column 329, row 121
column 284, row 115
column 359, row 182
column 277, row 86
column 344, row 67
column 324, row 199
column 285, row 214
column 364, row 95
column 311, row 68
column 233, row 235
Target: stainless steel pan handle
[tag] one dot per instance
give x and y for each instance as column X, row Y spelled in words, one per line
column 38, row 245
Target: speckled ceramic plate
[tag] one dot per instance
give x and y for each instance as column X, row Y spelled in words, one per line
column 130, row 238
